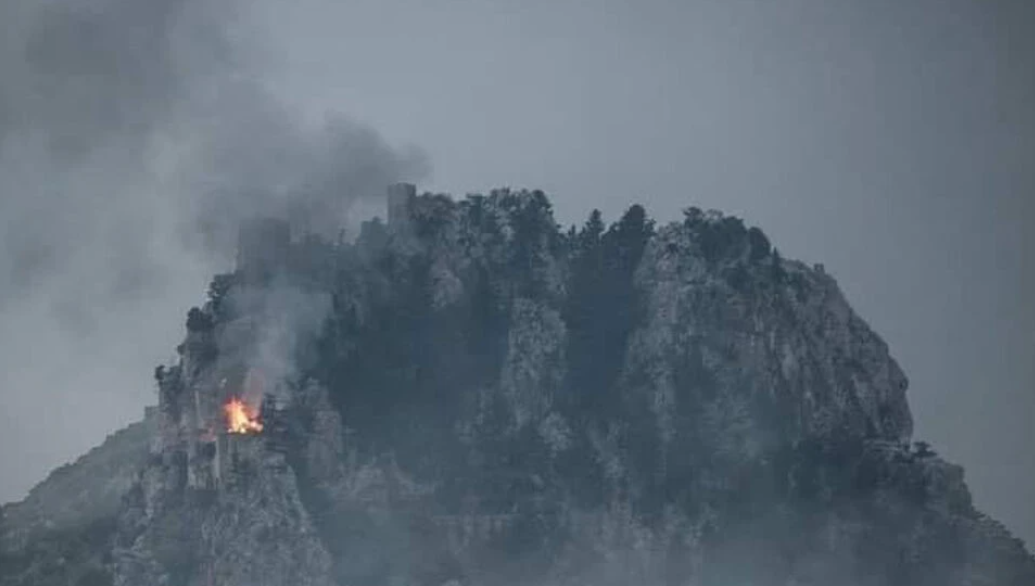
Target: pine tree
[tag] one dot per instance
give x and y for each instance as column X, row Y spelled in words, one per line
column 602, row 306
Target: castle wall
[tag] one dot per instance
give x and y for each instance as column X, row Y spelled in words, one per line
column 400, row 202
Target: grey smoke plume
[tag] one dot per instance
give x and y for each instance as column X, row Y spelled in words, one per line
column 133, row 138
column 287, row 317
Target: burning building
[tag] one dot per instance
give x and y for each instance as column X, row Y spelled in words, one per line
column 212, row 402
column 241, row 418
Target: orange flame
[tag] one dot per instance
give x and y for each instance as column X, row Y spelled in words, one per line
column 240, row 418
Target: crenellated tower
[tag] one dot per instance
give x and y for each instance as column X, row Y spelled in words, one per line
column 400, row 203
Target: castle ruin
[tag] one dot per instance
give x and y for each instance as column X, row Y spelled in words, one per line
column 401, row 197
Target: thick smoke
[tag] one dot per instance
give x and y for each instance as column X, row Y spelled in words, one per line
column 134, row 136
column 287, row 318
column 118, row 117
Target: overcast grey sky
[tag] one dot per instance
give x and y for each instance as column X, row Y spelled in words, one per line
column 891, row 140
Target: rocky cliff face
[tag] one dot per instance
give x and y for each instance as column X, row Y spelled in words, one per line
column 469, row 395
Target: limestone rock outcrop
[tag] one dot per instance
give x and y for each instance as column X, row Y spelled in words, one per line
column 470, row 395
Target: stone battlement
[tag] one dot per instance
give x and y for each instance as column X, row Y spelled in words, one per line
column 400, row 203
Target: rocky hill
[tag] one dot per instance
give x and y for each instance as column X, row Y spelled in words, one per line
column 61, row 533
column 468, row 394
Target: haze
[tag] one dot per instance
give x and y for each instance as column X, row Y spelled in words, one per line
column 892, row 141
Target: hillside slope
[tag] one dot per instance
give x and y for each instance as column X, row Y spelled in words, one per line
column 62, row 532
column 468, row 394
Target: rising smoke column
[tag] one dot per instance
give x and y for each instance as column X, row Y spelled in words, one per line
column 134, row 136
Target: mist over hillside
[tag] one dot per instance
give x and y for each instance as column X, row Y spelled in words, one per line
column 468, row 393
column 889, row 140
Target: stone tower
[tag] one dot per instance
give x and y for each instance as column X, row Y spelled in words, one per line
column 400, row 203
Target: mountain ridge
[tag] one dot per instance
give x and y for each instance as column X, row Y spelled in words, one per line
column 469, row 394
